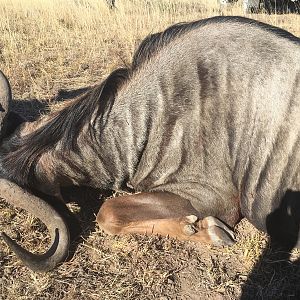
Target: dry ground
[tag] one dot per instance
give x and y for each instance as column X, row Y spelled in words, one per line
column 48, row 45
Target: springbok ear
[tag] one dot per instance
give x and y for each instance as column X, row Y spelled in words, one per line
column 5, row 103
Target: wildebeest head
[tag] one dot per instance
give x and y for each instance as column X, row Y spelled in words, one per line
column 24, row 199
column 23, row 151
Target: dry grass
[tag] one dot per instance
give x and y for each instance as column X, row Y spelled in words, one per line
column 47, row 45
column 51, row 44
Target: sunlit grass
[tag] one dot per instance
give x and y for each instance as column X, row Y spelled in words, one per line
column 50, row 44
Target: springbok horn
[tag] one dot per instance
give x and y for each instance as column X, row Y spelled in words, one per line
column 5, row 102
column 57, row 227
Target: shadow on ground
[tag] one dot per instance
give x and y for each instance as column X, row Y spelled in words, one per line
column 276, row 275
column 31, row 109
column 82, row 223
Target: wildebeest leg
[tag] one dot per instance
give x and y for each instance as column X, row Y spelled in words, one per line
column 164, row 214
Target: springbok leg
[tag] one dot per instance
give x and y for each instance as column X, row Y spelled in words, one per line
column 164, row 214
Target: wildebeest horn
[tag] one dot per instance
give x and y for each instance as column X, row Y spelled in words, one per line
column 56, row 225
column 5, row 102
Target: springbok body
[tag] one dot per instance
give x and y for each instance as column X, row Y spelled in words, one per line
column 204, row 124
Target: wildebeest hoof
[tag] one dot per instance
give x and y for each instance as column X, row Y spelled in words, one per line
column 219, row 233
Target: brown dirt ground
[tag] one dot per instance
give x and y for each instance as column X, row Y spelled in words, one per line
column 140, row 267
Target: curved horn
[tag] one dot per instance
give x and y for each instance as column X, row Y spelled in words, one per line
column 57, row 227
column 5, row 102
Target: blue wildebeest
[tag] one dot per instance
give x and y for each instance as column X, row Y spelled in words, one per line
column 203, row 126
column 281, row 7
column 270, row 6
column 111, row 3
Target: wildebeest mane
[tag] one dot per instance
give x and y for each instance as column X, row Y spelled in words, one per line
column 20, row 154
column 153, row 43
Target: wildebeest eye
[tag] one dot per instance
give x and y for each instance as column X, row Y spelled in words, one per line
column 1, row 108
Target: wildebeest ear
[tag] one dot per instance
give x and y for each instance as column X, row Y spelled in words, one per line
column 107, row 93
